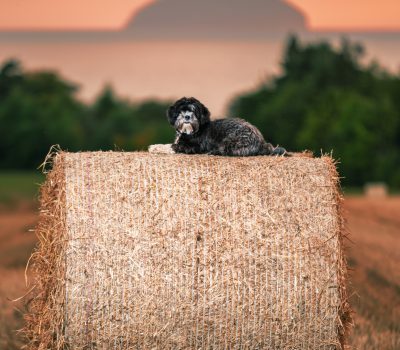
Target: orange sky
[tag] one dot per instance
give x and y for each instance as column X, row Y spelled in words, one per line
column 112, row 14
column 67, row 14
column 351, row 14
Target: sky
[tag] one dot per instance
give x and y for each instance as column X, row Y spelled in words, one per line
column 113, row 14
column 351, row 14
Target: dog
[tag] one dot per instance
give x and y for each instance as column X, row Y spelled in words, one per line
column 196, row 133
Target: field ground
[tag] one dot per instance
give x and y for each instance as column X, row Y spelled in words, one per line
column 374, row 260
column 16, row 244
column 373, row 256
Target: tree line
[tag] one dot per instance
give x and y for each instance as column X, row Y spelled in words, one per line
column 40, row 109
column 325, row 100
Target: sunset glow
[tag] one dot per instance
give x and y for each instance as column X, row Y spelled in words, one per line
column 67, row 14
column 351, row 15
column 112, row 15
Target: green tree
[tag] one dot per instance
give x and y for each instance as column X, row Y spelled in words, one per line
column 10, row 76
column 325, row 99
column 346, row 122
column 37, row 110
column 40, row 109
column 107, row 117
column 112, row 122
column 152, row 124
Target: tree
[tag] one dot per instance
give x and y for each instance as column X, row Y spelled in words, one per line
column 39, row 109
column 36, row 111
column 10, row 76
column 112, row 122
column 346, row 122
column 325, row 99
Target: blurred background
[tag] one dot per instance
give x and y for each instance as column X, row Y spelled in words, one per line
column 310, row 74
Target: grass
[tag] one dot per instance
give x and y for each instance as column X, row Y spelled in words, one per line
column 19, row 185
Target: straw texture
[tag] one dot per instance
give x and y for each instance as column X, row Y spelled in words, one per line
column 151, row 251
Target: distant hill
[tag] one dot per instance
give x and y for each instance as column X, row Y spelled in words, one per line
column 200, row 20
column 206, row 19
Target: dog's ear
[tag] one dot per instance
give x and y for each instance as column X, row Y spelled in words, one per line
column 205, row 114
column 171, row 114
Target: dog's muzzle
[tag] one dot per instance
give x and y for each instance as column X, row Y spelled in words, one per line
column 186, row 128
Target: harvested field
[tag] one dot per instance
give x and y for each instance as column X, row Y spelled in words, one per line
column 16, row 245
column 374, row 259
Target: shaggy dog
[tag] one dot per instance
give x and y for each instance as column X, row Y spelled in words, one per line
column 196, row 133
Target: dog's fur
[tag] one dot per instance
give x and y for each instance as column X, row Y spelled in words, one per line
column 196, row 133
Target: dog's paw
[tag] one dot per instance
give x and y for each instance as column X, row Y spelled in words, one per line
column 165, row 149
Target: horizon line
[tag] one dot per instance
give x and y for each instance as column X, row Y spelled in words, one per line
column 121, row 29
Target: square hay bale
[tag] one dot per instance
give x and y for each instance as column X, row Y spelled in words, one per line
column 151, row 251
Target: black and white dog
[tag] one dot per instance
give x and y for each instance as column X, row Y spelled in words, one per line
column 196, row 133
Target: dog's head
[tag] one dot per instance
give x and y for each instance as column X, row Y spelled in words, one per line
column 188, row 115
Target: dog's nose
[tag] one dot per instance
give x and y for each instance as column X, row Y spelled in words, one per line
column 187, row 117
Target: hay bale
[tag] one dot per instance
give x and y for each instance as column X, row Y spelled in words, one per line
column 154, row 251
column 376, row 190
